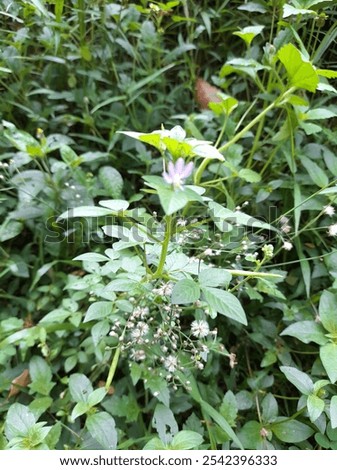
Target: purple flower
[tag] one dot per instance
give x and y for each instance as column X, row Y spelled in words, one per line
column 177, row 172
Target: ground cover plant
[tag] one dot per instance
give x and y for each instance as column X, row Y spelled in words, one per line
column 167, row 225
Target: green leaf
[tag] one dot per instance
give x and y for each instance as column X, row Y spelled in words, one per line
column 249, row 175
column 306, row 331
column 97, row 257
column 165, row 423
column 327, row 73
column 249, row 33
column 228, row 408
column 80, row 409
column 19, row 421
column 289, row 10
column 111, row 180
column 250, row 435
column 291, row 431
column 186, row 440
column 10, row 229
column 103, row 429
column 298, row 378
column 333, row 411
column 315, row 407
column 98, row 311
column 214, row 277
column 327, row 311
column 328, row 355
column 40, row 374
column 96, row 396
column 300, row 72
column 316, row 173
column 185, row 291
column 80, row 387
column 269, row 408
column 116, row 205
column 319, row 113
column 99, row 331
column 155, row 444
column 224, row 303
column 85, row 211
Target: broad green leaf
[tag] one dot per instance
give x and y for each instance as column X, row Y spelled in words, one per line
column 103, row 429
column 116, row 205
column 41, row 375
column 249, row 175
column 225, row 303
column 269, row 408
column 229, row 408
column 315, row 407
column 249, row 33
column 185, row 291
column 316, row 173
column 327, row 73
column 186, row 440
column 291, row 431
column 111, row 180
column 165, row 423
column 98, row 311
column 172, row 200
column 306, row 331
column 19, row 421
column 85, row 211
column 328, row 311
column 301, row 73
column 99, row 331
column 328, row 355
column 298, row 378
column 225, row 106
column 97, row 257
column 289, row 10
column 214, row 277
column 96, row 396
column 80, row 387
column 333, row 411
column 250, row 435
column 319, row 113
column 80, row 409
column 155, row 444
column 10, row 229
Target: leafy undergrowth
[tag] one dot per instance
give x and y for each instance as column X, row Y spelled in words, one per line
column 168, row 257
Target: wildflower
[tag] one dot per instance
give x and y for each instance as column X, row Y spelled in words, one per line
column 170, row 363
column 287, row 246
column 199, row 328
column 268, row 251
column 329, row 210
column 208, row 252
column 141, row 330
column 177, row 172
column 332, row 230
column 138, row 355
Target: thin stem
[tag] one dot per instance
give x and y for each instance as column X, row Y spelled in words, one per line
column 165, row 246
column 113, row 368
column 240, row 134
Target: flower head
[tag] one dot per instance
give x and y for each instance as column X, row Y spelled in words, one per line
column 329, row 210
column 177, row 172
column 332, row 230
column 287, row 246
column 199, row 328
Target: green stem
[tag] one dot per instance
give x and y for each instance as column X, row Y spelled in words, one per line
column 240, row 134
column 165, row 246
column 113, row 367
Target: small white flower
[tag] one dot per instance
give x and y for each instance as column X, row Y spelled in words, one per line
column 232, row 360
column 332, row 230
column 208, row 252
column 170, row 363
column 138, row 355
column 199, row 328
column 287, row 246
column 329, row 210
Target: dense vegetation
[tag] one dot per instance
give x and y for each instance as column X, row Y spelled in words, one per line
column 168, row 262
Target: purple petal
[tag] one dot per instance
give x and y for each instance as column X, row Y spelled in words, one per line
column 187, row 170
column 167, row 178
column 179, row 166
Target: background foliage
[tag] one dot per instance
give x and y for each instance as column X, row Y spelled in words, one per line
column 213, row 325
